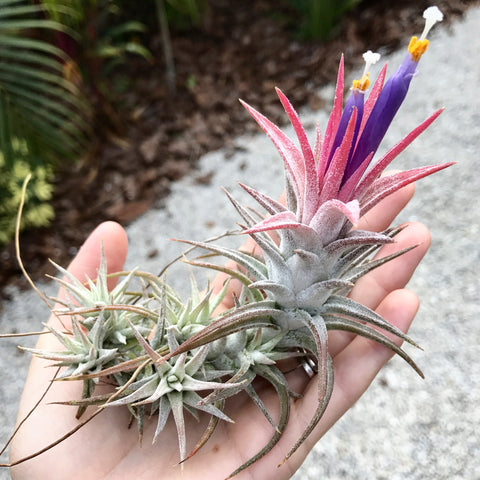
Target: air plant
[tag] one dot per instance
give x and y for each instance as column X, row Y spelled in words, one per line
column 166, row 357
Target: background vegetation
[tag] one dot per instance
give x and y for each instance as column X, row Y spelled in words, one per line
column 55, row 57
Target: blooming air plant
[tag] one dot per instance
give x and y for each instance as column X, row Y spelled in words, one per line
column 166, row 357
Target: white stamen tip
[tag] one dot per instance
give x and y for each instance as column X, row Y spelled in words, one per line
column 432, row 15
column 371, row 58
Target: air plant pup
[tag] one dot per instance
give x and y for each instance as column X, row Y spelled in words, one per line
column 270, row 355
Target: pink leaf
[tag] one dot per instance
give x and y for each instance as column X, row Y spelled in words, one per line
column 351, row 210
column 331, row 216
column 290, row 154
column 384, row 186
column 311, row 185
column 298, row 127
column 347, row 191
column 269, row 204
column 280, row 220
column 317, row 149
column 336, row 169
column 383, row 163
column 333, row 121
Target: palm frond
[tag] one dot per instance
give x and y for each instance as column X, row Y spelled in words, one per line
column 39, row 106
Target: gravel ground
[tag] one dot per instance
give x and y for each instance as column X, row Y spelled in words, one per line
column 403, row 427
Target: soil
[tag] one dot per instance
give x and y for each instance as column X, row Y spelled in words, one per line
column 150, row 137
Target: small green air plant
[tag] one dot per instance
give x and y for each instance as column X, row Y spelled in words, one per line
column 167, row 357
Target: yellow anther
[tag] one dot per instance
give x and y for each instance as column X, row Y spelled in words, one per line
column 364, row 82
column 417, row 48
column 361, row 84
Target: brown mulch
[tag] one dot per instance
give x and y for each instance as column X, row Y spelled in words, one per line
column 243, row 50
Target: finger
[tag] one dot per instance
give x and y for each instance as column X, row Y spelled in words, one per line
column 358, row 364
column 382, row 215
column 87, row 261
column 354, row 369
column 115, row 244
column 371, row 289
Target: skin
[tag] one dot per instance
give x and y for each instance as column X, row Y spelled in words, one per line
column 106, row 449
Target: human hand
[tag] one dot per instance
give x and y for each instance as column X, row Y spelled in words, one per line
column 106, row 448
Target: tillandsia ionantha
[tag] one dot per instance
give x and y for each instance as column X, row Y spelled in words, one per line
column 166, row 357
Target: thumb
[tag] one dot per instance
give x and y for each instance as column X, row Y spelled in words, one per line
column 52, row 420
column 87, row 261
column 115, row 244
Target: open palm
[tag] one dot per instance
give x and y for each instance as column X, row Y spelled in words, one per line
column 106, row 448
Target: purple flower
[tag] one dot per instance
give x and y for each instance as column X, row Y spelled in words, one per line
column 355, row 103
column 391, row 97
column 328, row 187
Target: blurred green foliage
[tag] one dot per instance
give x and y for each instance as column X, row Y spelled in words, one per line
column 186, row 13
column 39, row 106
column 44, row 116
column 57, row 59
column 107, row 32
column 319, row 18
column 37, row 212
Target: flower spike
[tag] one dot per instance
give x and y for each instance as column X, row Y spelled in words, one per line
column 392, row 96
column 351, row 140
column 354, row 103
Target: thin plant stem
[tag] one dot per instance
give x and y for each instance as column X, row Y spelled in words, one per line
column 170, row 74
column 24, row 419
